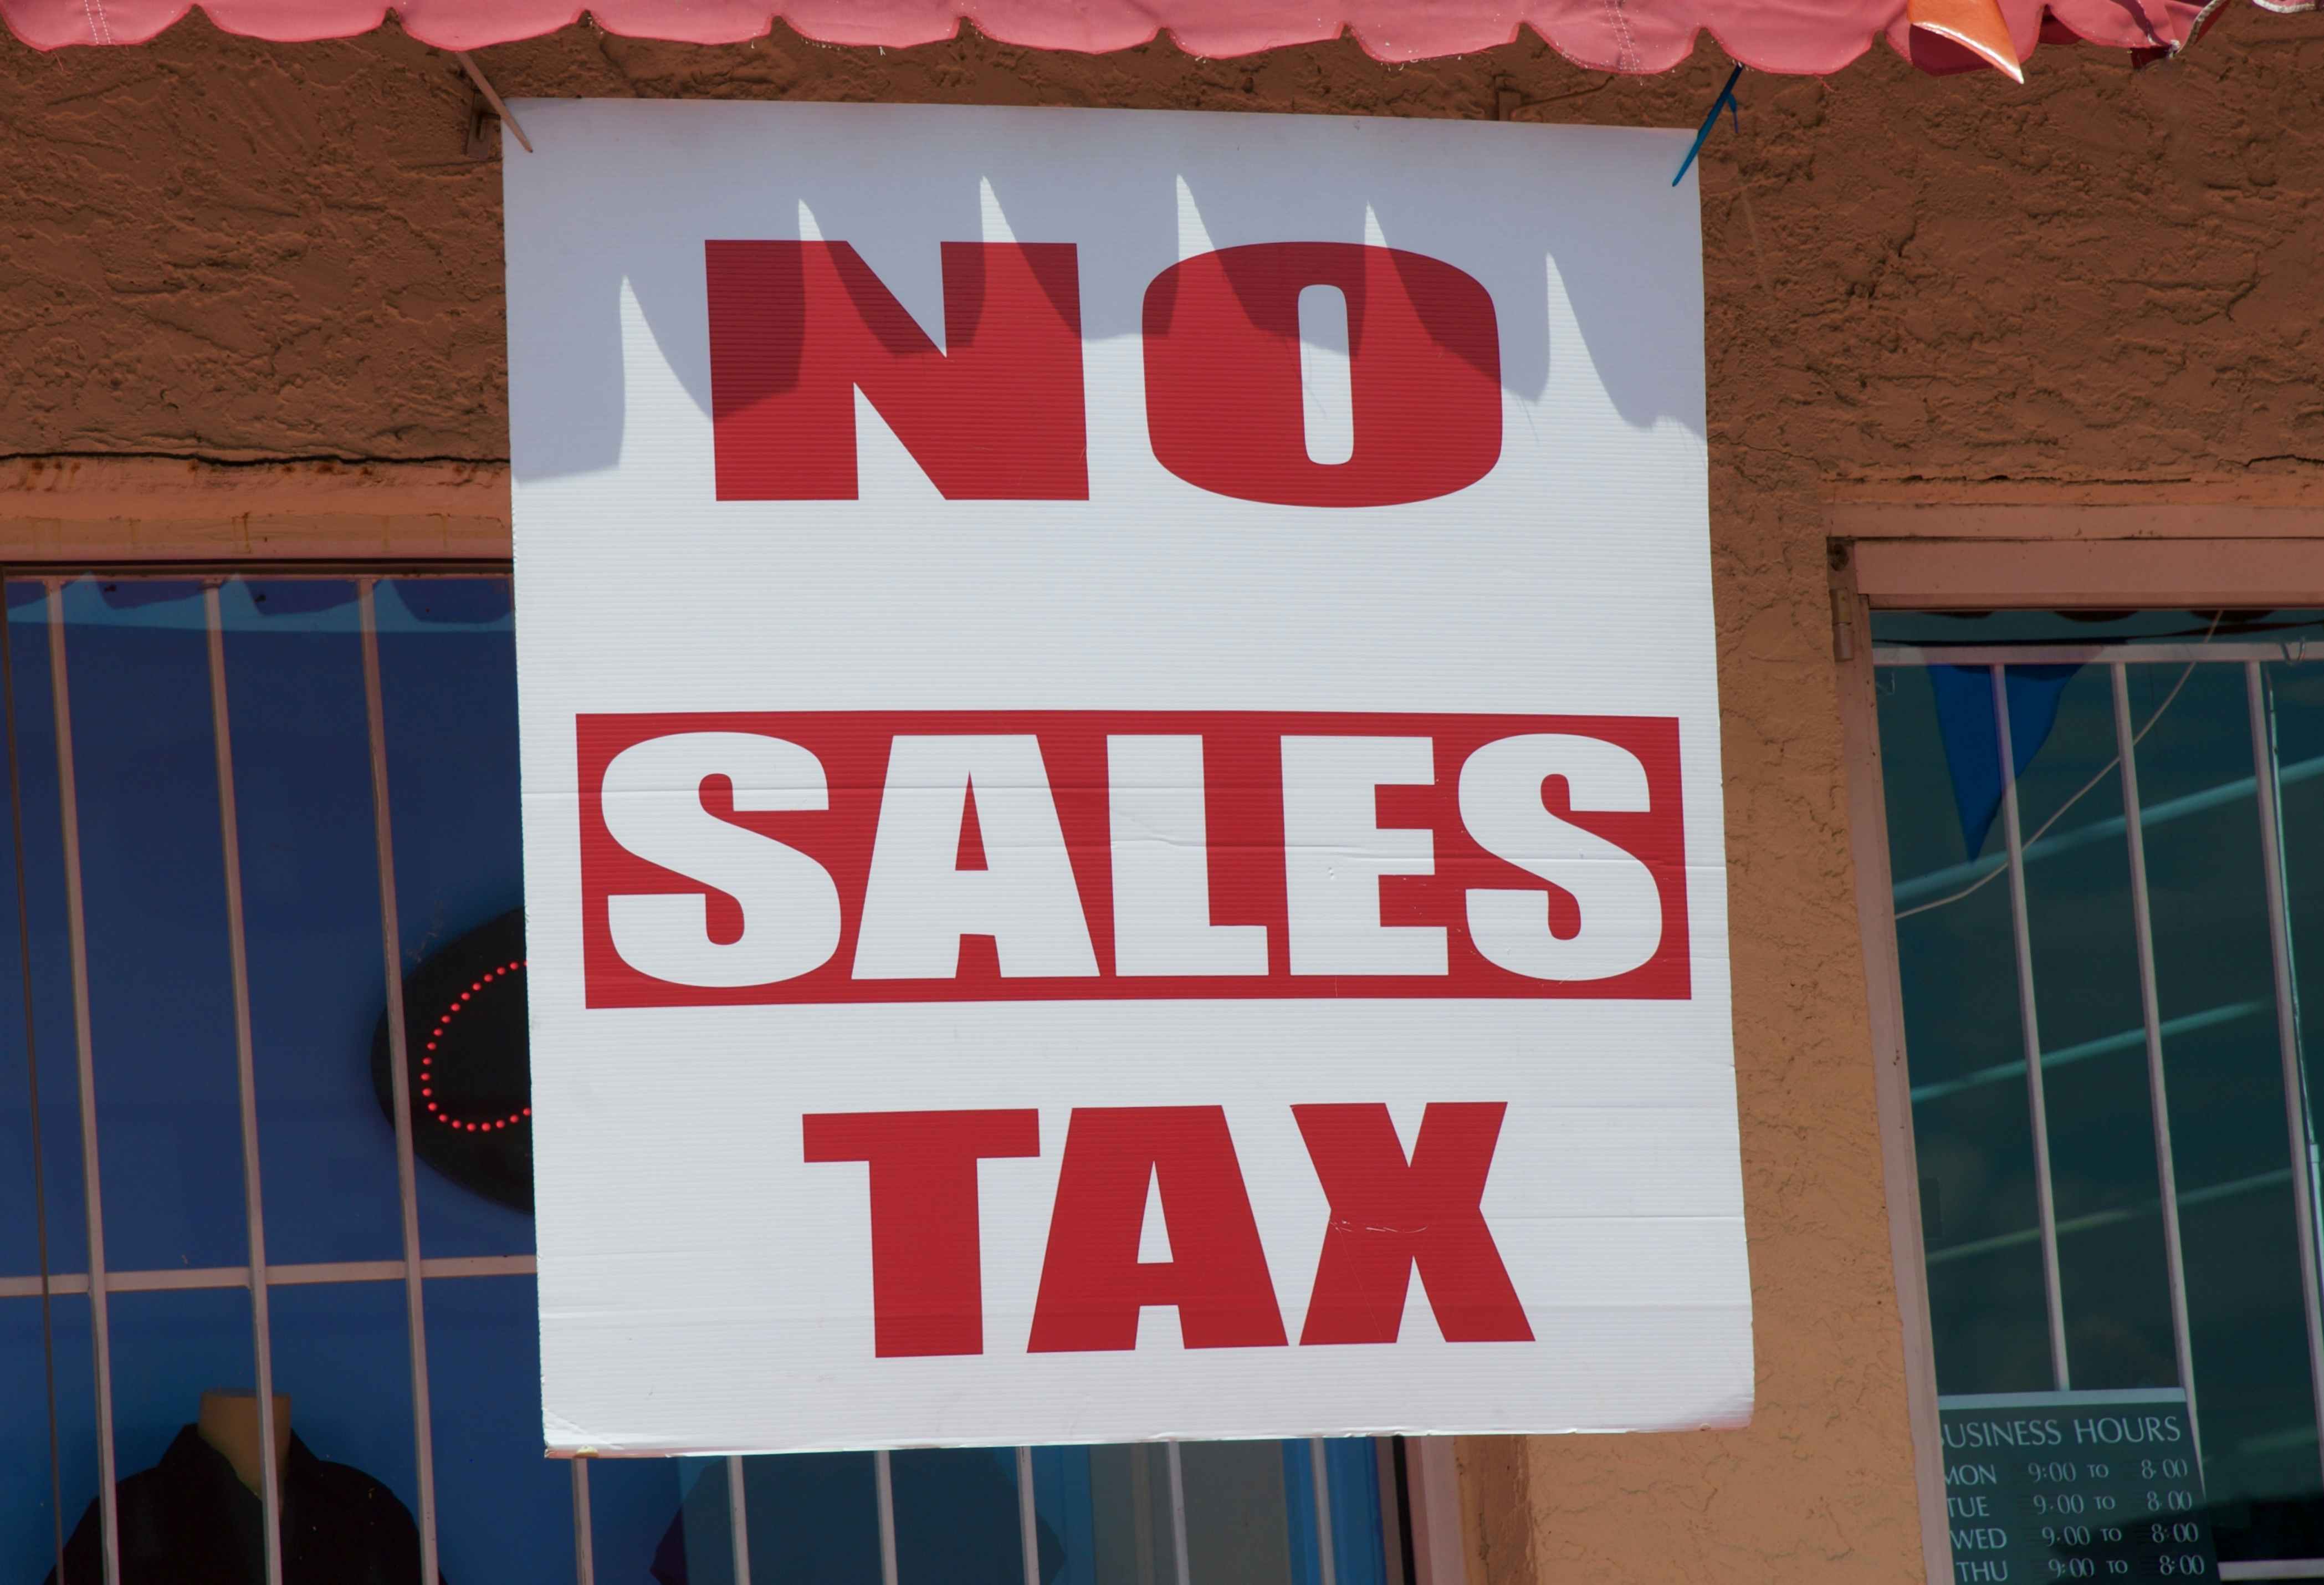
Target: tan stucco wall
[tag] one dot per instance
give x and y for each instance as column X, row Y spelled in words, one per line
column 226, row 251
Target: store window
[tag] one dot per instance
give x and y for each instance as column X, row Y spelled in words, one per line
column 2121, row 1235
column 119, row 932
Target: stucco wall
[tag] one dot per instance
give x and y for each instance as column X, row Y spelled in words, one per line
column 243, row 253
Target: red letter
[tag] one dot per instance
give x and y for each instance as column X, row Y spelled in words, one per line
column 1387, row 1217
column 928, row 1282
column 1092, row 1284
column 1223, row 384
column 798, row 327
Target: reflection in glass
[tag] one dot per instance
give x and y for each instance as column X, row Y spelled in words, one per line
column 2251, row 1310
column 49, row 1037
column 1133, row 1527
column 447, row 680
column 311, row 915
column 1237, row 1522
column 152, row 874
column 43, row 1503
column 503, row 1511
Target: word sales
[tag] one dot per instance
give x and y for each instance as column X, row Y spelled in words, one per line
column 1390, row 1216
column 950, row 856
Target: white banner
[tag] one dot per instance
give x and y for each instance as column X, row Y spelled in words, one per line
column 1121, row 784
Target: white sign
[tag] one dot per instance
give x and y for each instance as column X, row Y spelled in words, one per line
column 1121, row 752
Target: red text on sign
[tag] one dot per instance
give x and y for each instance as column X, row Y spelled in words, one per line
column 1390, row 1218
column 798, row 327
column 927, row 1286
column 1223, row 387
column 1085, row 855
column 997, row 413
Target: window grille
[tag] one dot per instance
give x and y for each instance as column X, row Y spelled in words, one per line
column 2110, row 1077
column 210, row 777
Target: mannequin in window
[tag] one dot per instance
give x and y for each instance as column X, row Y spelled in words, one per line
column 195, row 1517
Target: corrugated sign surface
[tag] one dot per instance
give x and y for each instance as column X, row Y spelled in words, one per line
column 1122, row 814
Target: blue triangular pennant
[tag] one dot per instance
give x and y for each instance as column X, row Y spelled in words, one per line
column 1964, row 696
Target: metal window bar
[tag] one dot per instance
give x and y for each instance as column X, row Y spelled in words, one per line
column 738, row 1520
column 1028, row 1524
column 1141, row 1512
column 407, row 1189
column 76, row 925
column 585, row 1543
column 174, row 1278
column 883, row 1483
column 32, row 1093
column 1395, row 1509
column 270, row 1456
column 2209, row 1017
column 2029, row 1025
column 2210, row 1195
column 1177, row 1514
column 1320, row 1474
column 2179, row 654
column 2151, row 1017
column 2287, row 1023
column 2218, row 795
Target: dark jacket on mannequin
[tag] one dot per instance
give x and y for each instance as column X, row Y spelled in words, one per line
column 189, row 1520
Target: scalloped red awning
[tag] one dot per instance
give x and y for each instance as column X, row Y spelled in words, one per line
column 1796, row 36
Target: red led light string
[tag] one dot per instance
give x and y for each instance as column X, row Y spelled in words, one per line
column 427, row 1077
